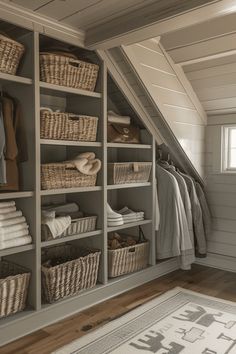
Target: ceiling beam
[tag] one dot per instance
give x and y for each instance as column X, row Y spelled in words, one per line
column 151, row 22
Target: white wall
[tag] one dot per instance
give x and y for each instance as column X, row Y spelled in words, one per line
column 173, row 95
column 221, row 192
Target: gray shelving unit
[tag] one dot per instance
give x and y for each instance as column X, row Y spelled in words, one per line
column 33, row 93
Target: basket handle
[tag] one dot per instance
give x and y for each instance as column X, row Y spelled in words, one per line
column 135, row 166
column 132, row 250
column 74, row 116
column 74, row 62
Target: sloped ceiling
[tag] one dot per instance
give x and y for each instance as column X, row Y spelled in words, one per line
column 207, row 54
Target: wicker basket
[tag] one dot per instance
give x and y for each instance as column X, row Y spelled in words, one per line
column 61, row 175
column 65, row 71
column 69, row 278
column 67, row 126
column 78, row 226
column 128, row 172
column 128, row 259
column 10, row 55
column 14, row 283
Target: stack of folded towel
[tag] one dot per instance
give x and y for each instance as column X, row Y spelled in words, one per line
column 118, row 119
column 14, row 231
column 59, row 217
column 123, row 216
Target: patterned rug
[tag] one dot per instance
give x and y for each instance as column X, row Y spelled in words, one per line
column 180, row 321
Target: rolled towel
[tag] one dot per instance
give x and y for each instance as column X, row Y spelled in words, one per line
column 118, row 119
column 87, row 166
column 14, row 214
column 15, row 242
column 7, row 210
column 15, row 234
column 7, row 204
column 13, row 228
column 12, row 221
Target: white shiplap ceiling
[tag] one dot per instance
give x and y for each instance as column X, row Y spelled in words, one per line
column 207, row 53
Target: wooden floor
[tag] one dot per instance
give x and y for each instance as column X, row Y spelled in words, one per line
column 205, row 280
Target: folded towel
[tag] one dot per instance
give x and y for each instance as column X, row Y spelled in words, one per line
column 57, row 225
column 13, row 228
column 16, row 234
column 6, row 210
column 12, row 221
column 14, row 214
column 116, row 118
column 62, row 208
column 15, row 242
column 7, row 204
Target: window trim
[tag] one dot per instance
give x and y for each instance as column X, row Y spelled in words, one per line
column 225, row 148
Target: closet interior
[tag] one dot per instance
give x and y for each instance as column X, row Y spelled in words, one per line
column 38, row 194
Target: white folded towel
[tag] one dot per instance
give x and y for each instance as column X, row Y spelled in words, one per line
column 62, row 208
column 12, row 221
column 118, row 119
column 14, row 214
column 15, row 242
column 7, row 204
column 7, row 210
column 57, row 225
column 16, row 234
column 4, row 230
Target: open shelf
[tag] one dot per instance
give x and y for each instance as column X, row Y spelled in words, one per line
column 13, row 250
column 129, row 146
column 128, row 185
column 127, row 226
column 15, row 79
column 70, row 143
column 70, row 238
column 50, row 88
column 16, row 195
column 70, row 190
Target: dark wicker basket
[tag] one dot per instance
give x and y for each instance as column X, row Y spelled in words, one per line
column 69, row 278
column 65, row 71
column 14, row 284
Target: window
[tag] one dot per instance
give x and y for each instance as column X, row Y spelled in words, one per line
column 229, row 149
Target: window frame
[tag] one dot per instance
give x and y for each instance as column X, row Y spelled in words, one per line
column 226, row 150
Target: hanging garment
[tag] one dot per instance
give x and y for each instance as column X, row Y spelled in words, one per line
column 15, row 146
column 206, row 214
column 157, row 209
column 173, row 238
column 200, row 237
column 3, row 179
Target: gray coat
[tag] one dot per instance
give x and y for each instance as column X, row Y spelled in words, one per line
column 173, row 238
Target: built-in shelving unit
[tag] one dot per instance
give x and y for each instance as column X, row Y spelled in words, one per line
column 33, row 94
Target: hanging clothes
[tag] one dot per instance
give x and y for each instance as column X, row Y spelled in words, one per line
column 173, row 238
column 206, row 214
column 2, row 148
column 199, row 232
column 15, row 142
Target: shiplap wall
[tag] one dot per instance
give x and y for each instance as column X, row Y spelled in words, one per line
column 174, row 97
column 221, row 192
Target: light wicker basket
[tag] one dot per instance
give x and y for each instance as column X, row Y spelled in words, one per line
column 128, row 259
column 69, row 278
column 10, row 55
column 65, row 71
column 14, row 284
column 61, row 175
column 128, row 172
column 78, row 226
column 67, row 126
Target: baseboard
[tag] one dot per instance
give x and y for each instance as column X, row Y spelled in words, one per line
column 218, row 261
column 25, row 323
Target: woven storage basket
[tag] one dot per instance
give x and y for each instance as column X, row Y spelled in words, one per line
column 128, row 259
column 14, row 283
column 67, row 126
column 10, row 55
column 128, row 172
column 65, row 71
column 77, row 226
column 61, row 175
column 69, row 278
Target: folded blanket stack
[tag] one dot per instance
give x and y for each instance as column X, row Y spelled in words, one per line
column 59, row 217
column 14, row 231
column 123, row 216
column 117, row 119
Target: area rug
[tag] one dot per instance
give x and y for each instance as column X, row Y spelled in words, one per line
column 180, row 321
